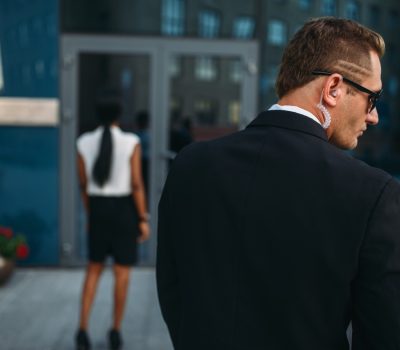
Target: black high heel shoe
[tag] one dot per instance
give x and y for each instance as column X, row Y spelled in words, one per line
column 82, row 340
column 115, row 339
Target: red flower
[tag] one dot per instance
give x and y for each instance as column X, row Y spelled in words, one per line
column 22, row 251
column 6, row 232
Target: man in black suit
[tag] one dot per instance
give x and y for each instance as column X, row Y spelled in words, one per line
column 273, row 237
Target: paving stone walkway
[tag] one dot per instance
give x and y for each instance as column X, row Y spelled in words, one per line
column 39, row 311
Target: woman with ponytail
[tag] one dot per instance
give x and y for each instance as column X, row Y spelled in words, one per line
column 110, row 177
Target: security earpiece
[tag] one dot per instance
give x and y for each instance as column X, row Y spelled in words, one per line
column 334, row 93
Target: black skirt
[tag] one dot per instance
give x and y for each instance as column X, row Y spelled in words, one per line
column 113, row 229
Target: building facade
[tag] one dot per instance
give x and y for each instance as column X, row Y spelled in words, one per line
column 211, row 63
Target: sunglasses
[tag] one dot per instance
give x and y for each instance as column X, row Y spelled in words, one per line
column 373, row 97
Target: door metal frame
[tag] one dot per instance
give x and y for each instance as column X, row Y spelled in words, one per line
column 159, row 51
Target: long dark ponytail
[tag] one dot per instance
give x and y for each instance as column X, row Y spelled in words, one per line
column 107, row 112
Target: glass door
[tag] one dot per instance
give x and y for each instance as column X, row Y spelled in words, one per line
column 117, row 77
column 208, row 90
column 173, row 92
column 205, row 98
column 95, row 68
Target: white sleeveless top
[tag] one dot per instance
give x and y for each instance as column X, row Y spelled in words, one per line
column 123, row 146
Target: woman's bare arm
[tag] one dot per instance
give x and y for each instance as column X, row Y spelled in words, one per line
column 138, row 193
column 82, row 180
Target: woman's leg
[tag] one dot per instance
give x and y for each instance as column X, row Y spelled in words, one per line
column 121, row 283
column 93, row 273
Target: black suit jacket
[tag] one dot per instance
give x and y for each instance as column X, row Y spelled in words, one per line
column 272, row 238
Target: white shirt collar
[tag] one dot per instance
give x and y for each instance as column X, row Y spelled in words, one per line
column 294, row 109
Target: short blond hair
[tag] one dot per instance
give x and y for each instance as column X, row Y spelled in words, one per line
column 331, row 44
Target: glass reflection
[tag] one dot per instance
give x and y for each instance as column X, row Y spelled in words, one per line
column 204, row 98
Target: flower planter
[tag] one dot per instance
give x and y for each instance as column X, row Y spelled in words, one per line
column 12, row 247
column 6, row 269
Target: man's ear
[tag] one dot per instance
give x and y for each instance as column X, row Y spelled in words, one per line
column 333, row 90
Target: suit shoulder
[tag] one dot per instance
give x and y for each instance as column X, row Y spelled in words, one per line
column 192, row 153
column 362, row 166
column 201, row 149
column 360, row 171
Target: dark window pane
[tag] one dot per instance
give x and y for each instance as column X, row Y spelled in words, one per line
column 304, row 4
column 277, row 32
column 243, row 28
column 173, row 17
column 209, row 24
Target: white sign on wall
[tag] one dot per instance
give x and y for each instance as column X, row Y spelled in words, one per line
column 29, row 111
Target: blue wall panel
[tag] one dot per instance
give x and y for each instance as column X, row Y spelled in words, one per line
column 29, row 47
column 29, row 201
column 29, row 156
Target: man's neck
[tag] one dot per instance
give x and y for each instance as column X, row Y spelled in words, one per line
column 295, row 109
column 302, row 101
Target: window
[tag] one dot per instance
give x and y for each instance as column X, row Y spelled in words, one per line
column 234, row 112
column 174, row 67
column 236, row 71
column 328, row 7
column 173, row 17
column 243, row 28
column 209, row 24
column 277, row 32
column 205, row 68
column 272, row 74
column 126, row 78
column 175, row 105
column 304, row 4
column 206, row 111
column 352, row 9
